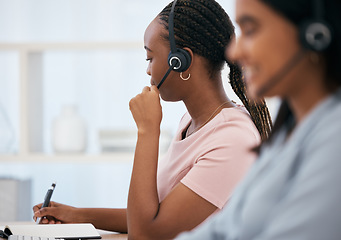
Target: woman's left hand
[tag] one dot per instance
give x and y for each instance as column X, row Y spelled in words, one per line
column 146, row 110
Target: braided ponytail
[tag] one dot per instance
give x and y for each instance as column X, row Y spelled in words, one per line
column 258, row 110
column 205, row 28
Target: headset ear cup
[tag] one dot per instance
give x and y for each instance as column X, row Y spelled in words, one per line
column 184, row 60
column 174, row 57
column 187, row 60
column 315, row 35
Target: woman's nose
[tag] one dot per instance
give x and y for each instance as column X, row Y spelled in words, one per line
column 233, row 51
column 148, row 71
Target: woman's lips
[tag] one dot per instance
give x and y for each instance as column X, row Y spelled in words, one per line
column 249, row 73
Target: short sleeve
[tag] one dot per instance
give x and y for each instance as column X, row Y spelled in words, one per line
column 227, row 156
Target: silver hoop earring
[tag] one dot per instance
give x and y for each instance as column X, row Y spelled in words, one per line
column 185, row 79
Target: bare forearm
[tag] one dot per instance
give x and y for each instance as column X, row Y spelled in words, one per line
column 103, row 218
column 143, row 202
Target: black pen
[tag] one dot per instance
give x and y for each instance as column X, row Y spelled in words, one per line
column 47, row 198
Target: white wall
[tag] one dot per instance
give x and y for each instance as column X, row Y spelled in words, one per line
column 99, row 83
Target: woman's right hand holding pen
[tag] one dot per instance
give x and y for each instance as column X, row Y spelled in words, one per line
column 55, row 213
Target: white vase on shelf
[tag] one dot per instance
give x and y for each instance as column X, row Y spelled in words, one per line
column 69, row 131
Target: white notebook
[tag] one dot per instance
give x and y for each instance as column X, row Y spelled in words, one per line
column 65, row 231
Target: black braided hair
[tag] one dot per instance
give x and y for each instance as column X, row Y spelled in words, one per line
column 205, row 28
column 258, row 110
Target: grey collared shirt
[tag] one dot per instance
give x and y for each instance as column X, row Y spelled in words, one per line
column 293, row 191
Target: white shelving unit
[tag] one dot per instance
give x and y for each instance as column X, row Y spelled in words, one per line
column 31, row 99
column 83, row 179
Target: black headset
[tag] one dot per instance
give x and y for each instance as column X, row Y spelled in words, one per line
column 316, row 34
column 179, row 59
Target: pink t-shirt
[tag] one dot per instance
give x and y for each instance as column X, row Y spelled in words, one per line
column 212, row 160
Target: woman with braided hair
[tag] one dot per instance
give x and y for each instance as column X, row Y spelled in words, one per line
column 201, row 28
column 212, row 149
